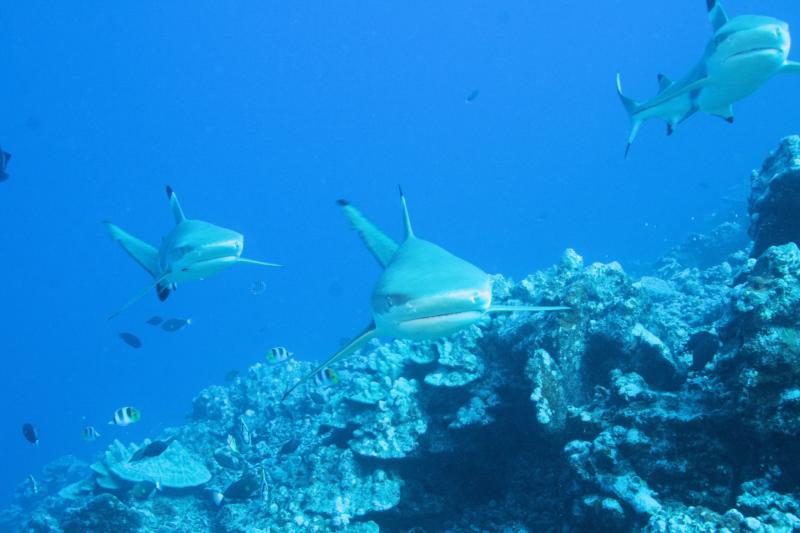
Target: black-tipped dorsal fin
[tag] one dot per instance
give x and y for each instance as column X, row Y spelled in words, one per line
column 177, row 212
column 378, row 243
column 716, row 14
column 406, row 218
column 663, row 83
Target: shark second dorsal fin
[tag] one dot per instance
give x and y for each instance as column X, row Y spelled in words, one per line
column 406, row 218
column 177, row 212
column 716, row 14
column 663, row 83
column 381, row 246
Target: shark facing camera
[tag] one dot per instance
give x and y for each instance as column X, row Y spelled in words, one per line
column 424, row 292
column 193, row 250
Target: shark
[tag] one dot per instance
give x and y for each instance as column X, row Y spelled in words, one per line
column 423, row 293
column 192, row 250
column 744, row 53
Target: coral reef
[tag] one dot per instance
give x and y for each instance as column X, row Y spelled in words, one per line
column 662, row 404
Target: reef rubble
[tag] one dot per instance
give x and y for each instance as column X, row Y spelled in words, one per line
column 664, row 403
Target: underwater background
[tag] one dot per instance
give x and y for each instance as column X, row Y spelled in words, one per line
column 500, row 121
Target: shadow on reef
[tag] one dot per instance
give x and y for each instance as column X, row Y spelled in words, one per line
column 665, row 403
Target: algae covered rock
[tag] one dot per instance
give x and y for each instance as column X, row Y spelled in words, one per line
column 775, row 198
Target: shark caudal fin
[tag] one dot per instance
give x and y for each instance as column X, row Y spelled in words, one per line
column 406, row 218
column 716, row 14
column 631, row 106
column 352, row 347
column 379, row 244
column 177, row 212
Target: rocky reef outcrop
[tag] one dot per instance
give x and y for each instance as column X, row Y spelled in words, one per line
column 664, row 403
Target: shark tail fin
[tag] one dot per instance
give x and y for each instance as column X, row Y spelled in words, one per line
column 380, row 245
column 177, row 212
column 353, row 346
column 406, row 218
column 632, row 107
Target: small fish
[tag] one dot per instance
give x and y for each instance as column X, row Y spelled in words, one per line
column 4, row 159
column 326, row 378
column 143, row 490
column 154, row 449
column 230, row 376
column 244, row 431
column 155, row 320
column 33, row 483
column 30, row 434
column 471, row 97
column 278, row 354
column 130, row 339
column 232, row 443
column 289, row 446
column 242, row 489
column 125, row 416
column 175, row 324
column 90, row 434
column 258, row 287
column 263, row 487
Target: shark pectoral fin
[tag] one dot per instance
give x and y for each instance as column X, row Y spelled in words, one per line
column 254, row 262
column 526, row 308
column 353, row 346
column 139, row 296
column 716, row 14
column 141, row 252
column 790, row 67
column 725, row 113
column 177, row 212
column 381, row 246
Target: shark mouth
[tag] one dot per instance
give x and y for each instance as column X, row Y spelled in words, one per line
column 754, row 51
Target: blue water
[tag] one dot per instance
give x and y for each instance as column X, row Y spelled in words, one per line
column 261, row 116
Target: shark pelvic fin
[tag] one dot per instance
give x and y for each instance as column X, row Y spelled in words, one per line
column 716, row 14
column 406, row 218
column 143, row 253
column 664, row 83
column 353, row 346
column 177, row 212
column 155, row 284
column 246, row 261
column 790, row 67
column 526, row 308
column 631, row 106
column 378, row 243
column 725, row 113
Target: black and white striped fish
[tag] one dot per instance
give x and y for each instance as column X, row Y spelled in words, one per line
column 125, row 416
column 326, row 378
column 90, row 434
column 278, row 354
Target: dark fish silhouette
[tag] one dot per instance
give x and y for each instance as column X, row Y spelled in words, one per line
column 175, row 324
column 289, row 446
column 155, row 320
column 4, row 158
column 30, row 434
column 154, row 449
column 471, row 97
column 230, row 376
column 130, row 339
